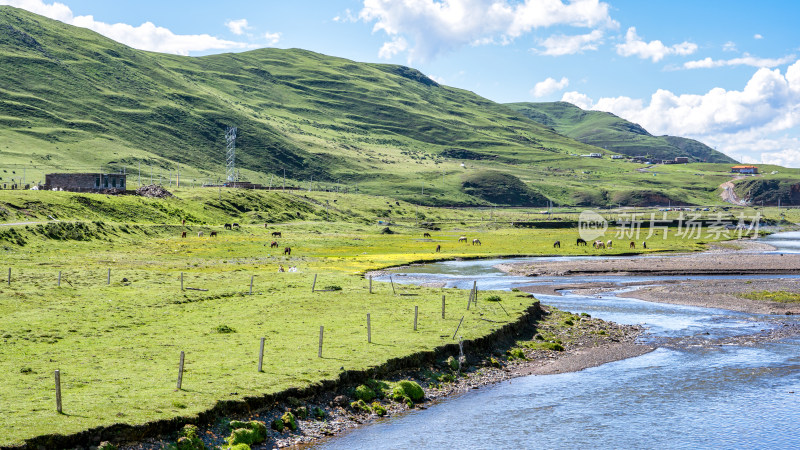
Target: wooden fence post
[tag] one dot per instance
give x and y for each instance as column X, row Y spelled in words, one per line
column 459, row 326
column 442, row 306
column 180, row 372
column 9, row 276
column 261, row 355
column 108, row 280
column 475, row 292
column 370, row 284
column 251, row 284
column 369, row 330
column 59, row 278
column 391, row 281
column 58, row 391
column 181, row 280
column 416, row 313
column 321, row 330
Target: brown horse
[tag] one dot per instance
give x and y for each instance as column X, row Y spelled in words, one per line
column 557, row 244
column 426, row 235
column 276, row 234
column 235, row 225
column 438, row 248
column 228, row 226
column 213, row 234
column 287, row 251
column 633, row 244
column 183, row 235
column 580, row 242
column 274, row 244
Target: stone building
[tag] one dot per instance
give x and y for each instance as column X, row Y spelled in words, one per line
column 85, row 182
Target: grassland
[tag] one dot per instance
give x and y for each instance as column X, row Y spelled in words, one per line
column 117, row 344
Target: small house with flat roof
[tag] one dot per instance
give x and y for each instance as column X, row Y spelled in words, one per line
column 85, row 182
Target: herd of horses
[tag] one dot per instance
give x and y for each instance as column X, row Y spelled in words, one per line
column 230, row 226
column 599, row 244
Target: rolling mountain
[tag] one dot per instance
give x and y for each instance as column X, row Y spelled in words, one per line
column 603, row 129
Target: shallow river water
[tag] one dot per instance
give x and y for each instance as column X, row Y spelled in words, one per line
column 706, row 385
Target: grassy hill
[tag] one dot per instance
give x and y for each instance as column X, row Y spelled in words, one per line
column 603, row 129
column 72, row 100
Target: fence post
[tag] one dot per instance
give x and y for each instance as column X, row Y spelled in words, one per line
column 442, row 306
column 416, row 313
column 314, row 284
column 261, row 354
column 58, row 391
column 391, row 281
column 180, row 372
column 108, row 280
column 370, row 284
column 181, row 280
column 9, row 276
column 369, row 330
column 321, row 330
column 59, row 278
column 251, row 284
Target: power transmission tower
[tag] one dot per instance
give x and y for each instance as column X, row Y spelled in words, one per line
column 230, row 159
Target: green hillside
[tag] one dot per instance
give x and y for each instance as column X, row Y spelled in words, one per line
column 603, row 129
column 72, row 100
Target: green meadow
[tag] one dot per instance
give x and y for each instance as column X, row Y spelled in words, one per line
column 117, row 343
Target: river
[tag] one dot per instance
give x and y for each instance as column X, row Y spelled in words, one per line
column 715, row 380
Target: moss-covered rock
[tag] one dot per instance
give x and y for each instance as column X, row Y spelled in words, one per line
column 360, row 405
column 452, row 363
column 189, row 438
column 378, row 409
column 408, row 389
column 277, row 425
column 252, row 432
column 516, row 353
column 289, row 420
column 318, row 413
column 363, row 392
column 301, row 412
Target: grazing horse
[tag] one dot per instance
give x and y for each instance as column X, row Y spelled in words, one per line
column 266, row 225
column 183, row 235
column 633, row 244
column 426, row 235
column 213, row 234
column 608, row 244
column 599, row 244
column 580, row 242
column 235, row 225
column 462, row 239
column 199, row 234
column 644, row 244
column 276, row 234
column 438, row 248
column 476, row 242
column 274, row 244
column 557, row 244
column 228, row 226
column 183, row 222
column 287, row 251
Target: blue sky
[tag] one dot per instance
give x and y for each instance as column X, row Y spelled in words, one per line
column 723, row 72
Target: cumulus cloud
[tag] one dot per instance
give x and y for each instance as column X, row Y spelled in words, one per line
column 758, row 36
column 740, row 122
column 389, row 49
column 146, row 36
column 549, row 86
column 582, row 101
column 653, row 50
column 729, row 46
column 238, row 26
column 745, row 60
column 272, row 38
column 440, row 26
column 558, row 45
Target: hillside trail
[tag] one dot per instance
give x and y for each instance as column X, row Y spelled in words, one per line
column 729, row 195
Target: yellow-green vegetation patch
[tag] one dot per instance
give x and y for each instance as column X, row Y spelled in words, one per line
column 773, row 296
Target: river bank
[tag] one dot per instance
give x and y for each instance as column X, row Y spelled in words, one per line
column 587, row 342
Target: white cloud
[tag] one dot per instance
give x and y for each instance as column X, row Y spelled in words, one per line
column 348, row 16
column 558, row 45
column 549, row 86
column 746, row 60
column 389, row 49
column 272, row 38
column 146, row 36
column 238, row 26
column 729, row 46
column 758, row 36
column 738, row 122
column 654, row 50
column 576, row 98
column 441, row 26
